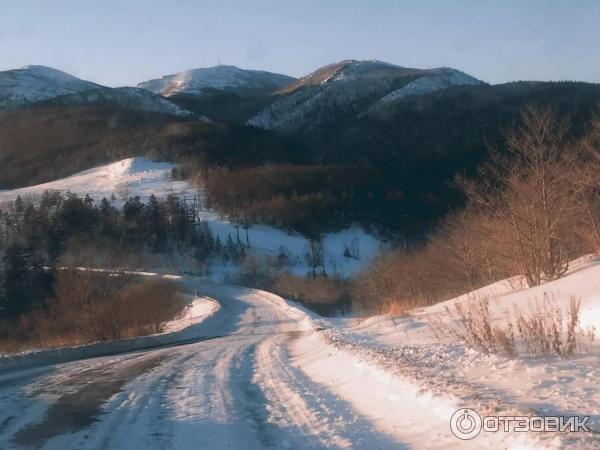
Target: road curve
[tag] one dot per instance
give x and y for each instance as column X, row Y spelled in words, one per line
column 233, row 385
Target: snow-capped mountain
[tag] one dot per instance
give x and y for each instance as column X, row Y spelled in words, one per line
column 31, row 84
column 349, row 88
column 227, row 78
column 125, row 97
column 39, row 84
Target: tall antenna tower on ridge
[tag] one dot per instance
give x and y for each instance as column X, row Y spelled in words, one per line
column 219, row 61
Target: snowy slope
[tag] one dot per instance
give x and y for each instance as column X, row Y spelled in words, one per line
column 122, row 179
column 348, row 88
column 143, row 177
column 125, row 97
column 32, row 84
column 228, row 78
column 526, row 385
column 428, row 84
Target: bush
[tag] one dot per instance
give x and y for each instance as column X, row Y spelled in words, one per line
column 543, row 330
column 91, row 307
column 324, row 294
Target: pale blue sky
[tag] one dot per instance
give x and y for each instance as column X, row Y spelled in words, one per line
column 123, row 42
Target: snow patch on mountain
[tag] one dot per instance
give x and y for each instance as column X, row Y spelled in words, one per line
column 230, row 78
column 317, row 98
column 430, row 84
column 31, row 84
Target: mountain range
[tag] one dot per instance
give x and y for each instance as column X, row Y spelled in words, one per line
column 364, row 142
column 270, row 100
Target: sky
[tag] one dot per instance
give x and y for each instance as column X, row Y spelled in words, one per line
column 124, row 42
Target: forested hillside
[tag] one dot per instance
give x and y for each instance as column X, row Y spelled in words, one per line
column 390, row 168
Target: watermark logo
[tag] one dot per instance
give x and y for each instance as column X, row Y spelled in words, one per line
column 466, row 423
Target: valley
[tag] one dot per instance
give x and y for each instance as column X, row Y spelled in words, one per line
column 361, row 257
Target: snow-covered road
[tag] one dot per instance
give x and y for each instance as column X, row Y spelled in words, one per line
column 235, row 389
column 259, row 375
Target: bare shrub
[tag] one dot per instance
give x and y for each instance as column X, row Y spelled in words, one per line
column 146, row 306
column 534, row 207
column 589, row 180
column 457, row 259
column 81, row 252
column 257, row 271
column 548, row 331
column 90, row 307
column 325, row 294
column 544, row 330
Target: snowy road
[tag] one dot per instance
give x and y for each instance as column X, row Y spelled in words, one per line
column 233, row 391
column 260, row 377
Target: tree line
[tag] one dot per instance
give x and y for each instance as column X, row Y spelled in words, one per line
column 38, row 236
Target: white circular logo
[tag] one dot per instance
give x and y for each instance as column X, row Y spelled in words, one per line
column 465, row 423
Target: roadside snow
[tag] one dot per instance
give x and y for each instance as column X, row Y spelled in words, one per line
column 497, row 384
column 198, row 310
column 581, row 282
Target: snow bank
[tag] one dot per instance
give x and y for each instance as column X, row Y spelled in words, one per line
column 198, row 310
column 581, row 282
column 444, row 367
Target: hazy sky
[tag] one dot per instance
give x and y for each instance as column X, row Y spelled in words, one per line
column 123, row 42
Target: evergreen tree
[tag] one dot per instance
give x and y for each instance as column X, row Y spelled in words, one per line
column 16, row 299
column 155, row 225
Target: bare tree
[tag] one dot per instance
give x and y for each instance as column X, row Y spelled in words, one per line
column 590, row 182
column 531, row 191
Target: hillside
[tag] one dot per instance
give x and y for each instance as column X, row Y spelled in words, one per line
column 43, row 143
column 221, row 77
column 140, row 177
column 381, row 147
column 348, row 88
column 122, row 98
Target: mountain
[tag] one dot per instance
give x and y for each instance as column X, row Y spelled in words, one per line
column 350, row 88
column 31, row 84
column 357, row 142
column 123, row 97
column 224, row 78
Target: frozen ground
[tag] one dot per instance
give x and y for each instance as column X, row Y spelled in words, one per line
column 262, row 373
column 142, row 177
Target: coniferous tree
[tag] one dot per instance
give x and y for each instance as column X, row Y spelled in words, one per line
column 16, row 300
